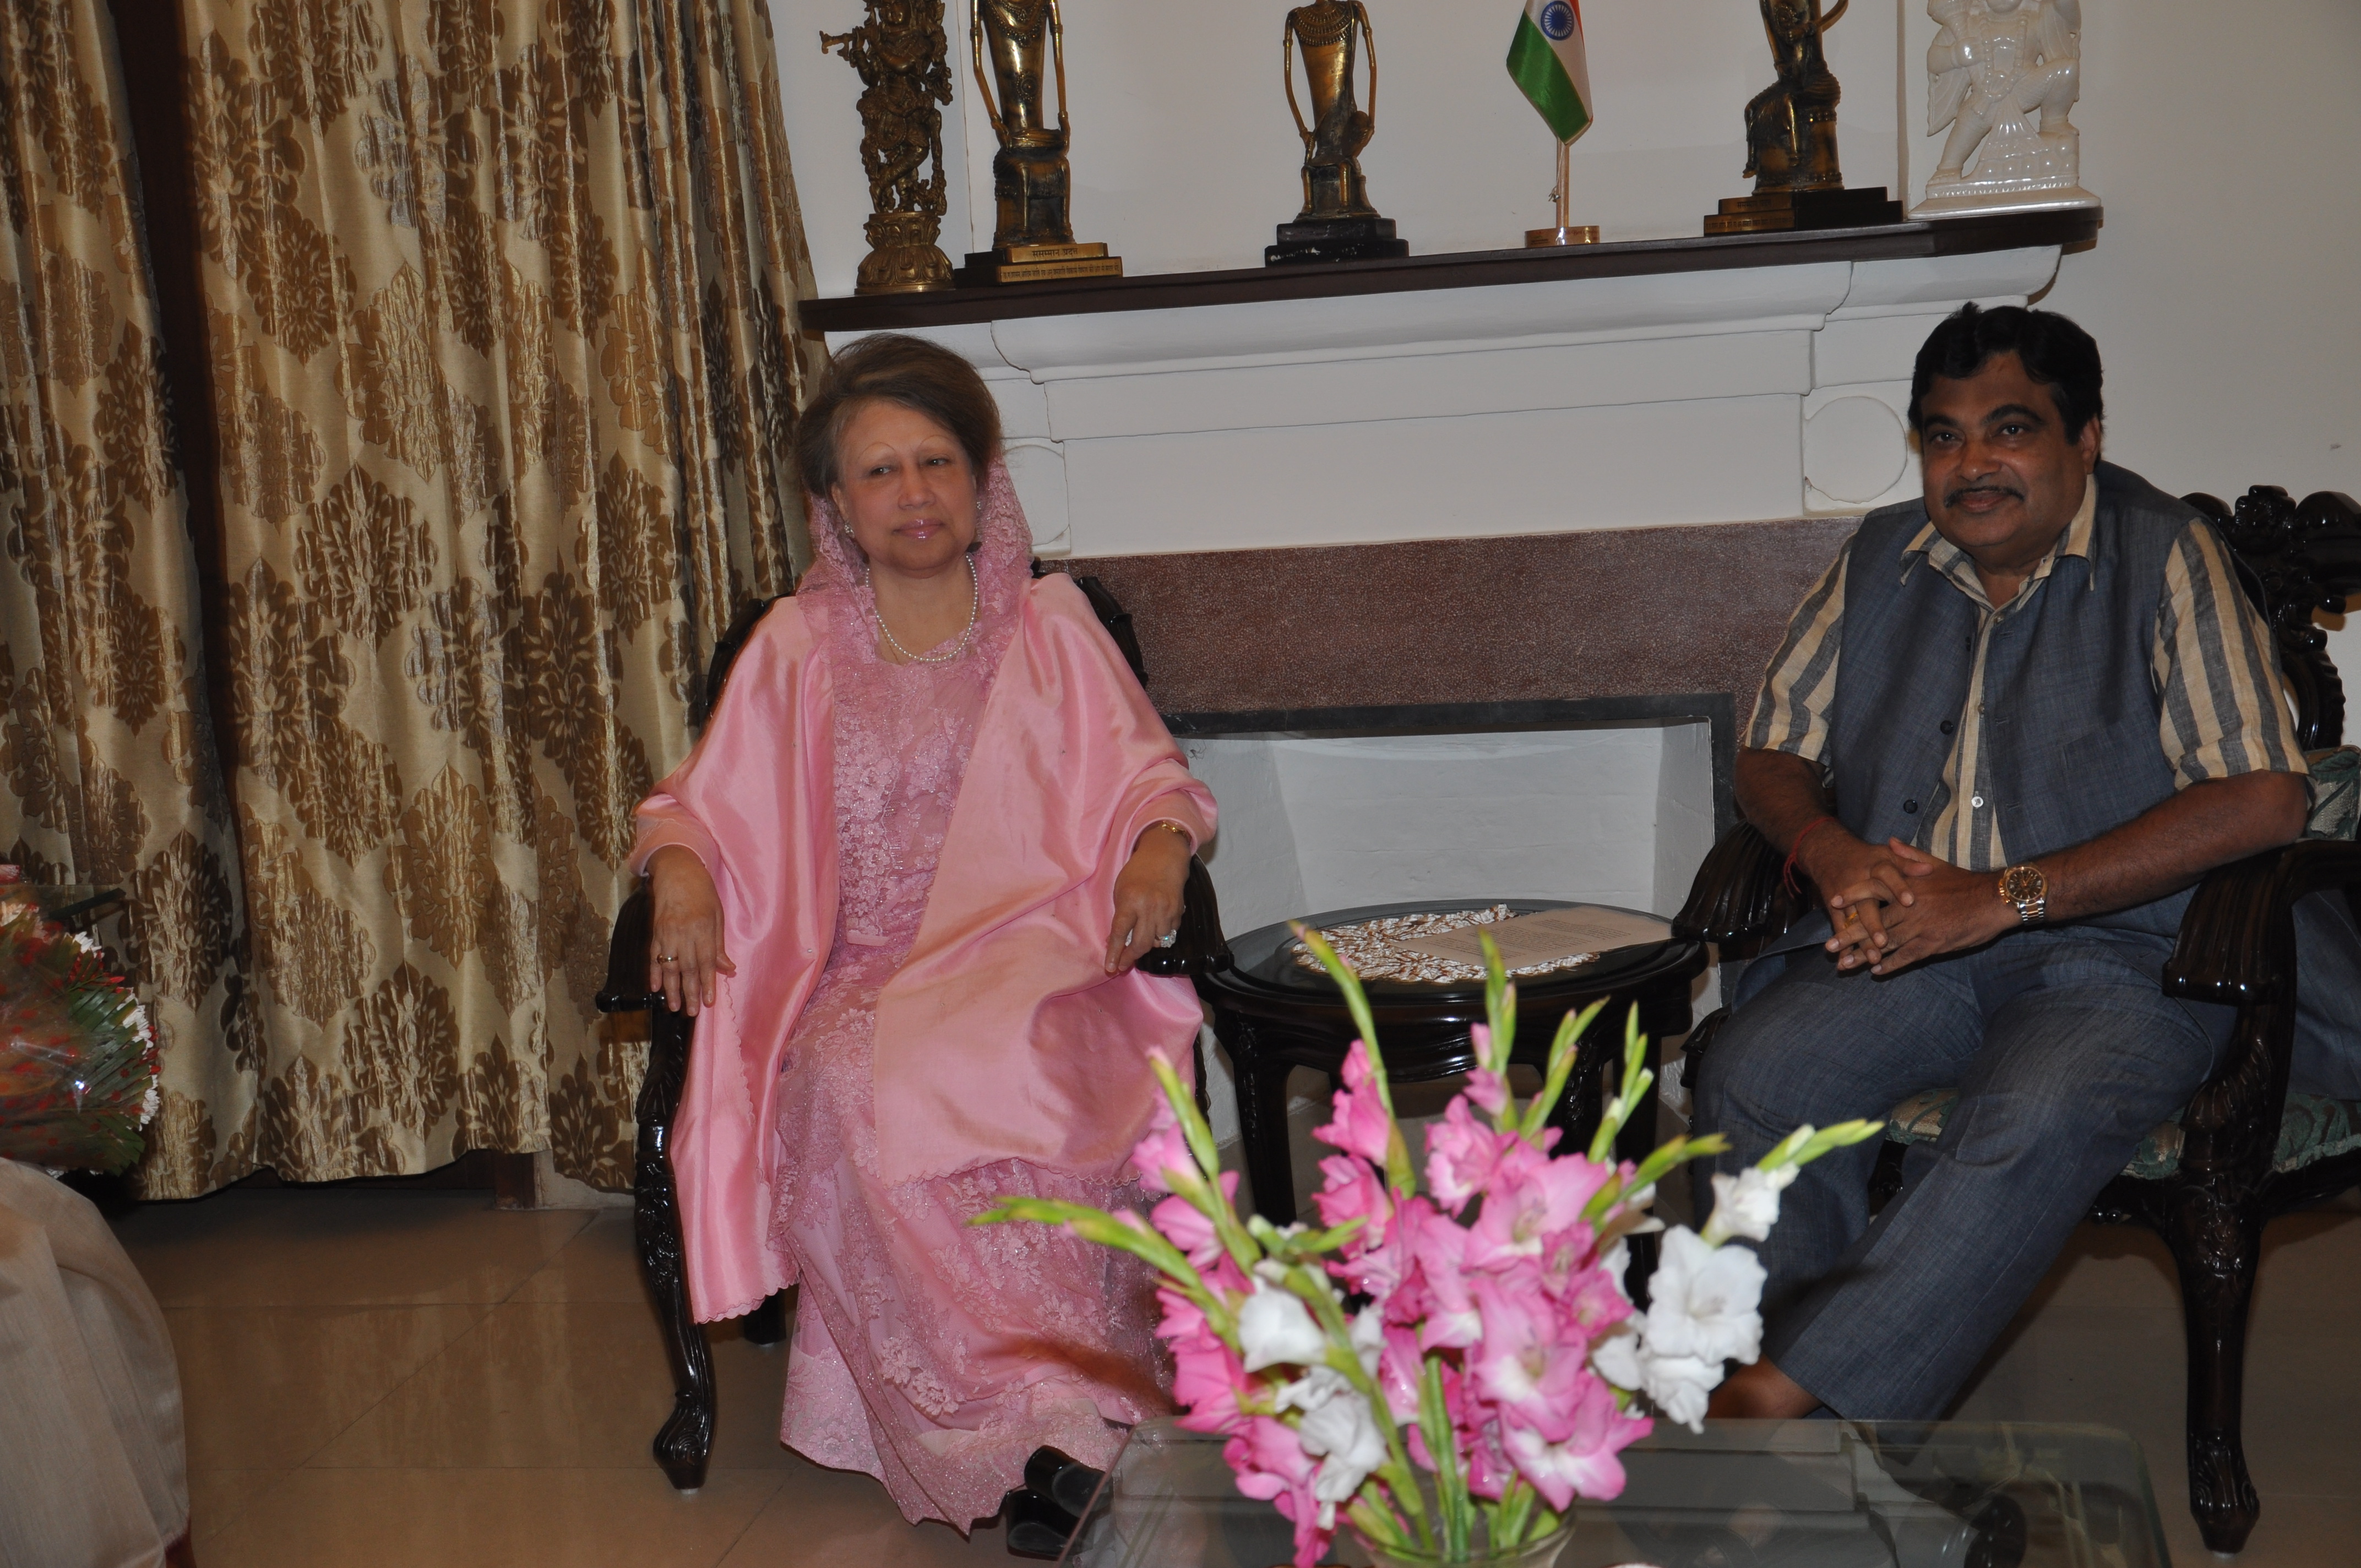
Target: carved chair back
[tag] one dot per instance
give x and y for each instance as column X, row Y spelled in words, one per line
column 2299, row 557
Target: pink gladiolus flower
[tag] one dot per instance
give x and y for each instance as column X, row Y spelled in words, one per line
column 1271, row 1464
column 1530, row 1197
column 1355, row 1191
column 1461, row 1155
column 1209, row 1382
column 1400, row 1366
column 1361, row 1126
column 1164, row 1149
column 1585, row 1462
column 1486, row 1087
column 1527, row 1366
column 1440, row 1248
column 1187, row 1228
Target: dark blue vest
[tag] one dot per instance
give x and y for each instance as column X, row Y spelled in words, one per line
column 2071, row 704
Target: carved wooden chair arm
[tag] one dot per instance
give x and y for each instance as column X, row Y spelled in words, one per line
column 1736, row 895
column 1199, row 948
column 626, row 990
column 2237, row 938
column 2237, row 947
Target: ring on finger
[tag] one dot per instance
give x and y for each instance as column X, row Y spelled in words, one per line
column 1167, row 940
column 665, row 959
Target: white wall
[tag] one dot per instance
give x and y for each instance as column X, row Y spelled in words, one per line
column 1611, row 814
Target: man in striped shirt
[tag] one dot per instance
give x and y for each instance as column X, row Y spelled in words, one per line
column 2006, row 733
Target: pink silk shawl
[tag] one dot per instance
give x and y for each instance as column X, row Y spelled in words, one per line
column 1002, row 1035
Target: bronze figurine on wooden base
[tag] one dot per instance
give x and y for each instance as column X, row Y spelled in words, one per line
column 1791, row 138
column 1337, row 224
column 901, row 54
column 1019, row 44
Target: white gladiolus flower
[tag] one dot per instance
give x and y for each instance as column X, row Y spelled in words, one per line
column 1747, row 1204
column 1369, row 1337
column 1703, row 1300
column 1676, row 1384
column 1338, row 1429
column 1275, row 1326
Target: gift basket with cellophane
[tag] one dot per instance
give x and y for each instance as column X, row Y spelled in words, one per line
column 78, row 1059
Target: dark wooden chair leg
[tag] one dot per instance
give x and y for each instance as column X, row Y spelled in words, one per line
column 766, row 1325
column 686, row 1441
column 2216, row 1238
column 1262, row 1133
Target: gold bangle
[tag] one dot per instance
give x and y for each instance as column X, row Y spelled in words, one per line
column 1171, row 827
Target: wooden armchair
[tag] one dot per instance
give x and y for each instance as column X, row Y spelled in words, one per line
column 2244, row 1150
column 685, row 1441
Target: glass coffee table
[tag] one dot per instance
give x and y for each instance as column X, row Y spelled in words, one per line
column 1819, row 1493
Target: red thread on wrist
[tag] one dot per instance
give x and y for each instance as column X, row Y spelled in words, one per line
column 1787, row 872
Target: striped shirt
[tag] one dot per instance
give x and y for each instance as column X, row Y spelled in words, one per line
column 2221, row 709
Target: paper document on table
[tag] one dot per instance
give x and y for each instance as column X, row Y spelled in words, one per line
column 1529, row 939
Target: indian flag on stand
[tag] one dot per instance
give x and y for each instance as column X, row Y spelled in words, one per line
column 1548, row 67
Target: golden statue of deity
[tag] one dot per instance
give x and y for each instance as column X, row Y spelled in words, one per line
column 1791, row 136
column 1337, row 222
column 901, row 54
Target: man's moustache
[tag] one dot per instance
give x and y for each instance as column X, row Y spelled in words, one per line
column 1953, row 497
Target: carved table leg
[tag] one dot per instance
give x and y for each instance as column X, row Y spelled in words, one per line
column 686, row 1441
column 2216, row 1239
column 1262, row 1132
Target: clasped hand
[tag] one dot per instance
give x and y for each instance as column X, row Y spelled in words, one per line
column 1893, row 906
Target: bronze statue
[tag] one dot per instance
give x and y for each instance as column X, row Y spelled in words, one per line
column 900, row 52
column 1337, row 222
column 1328, row 32
column 1790, row 126
column 1791, row 138
column 1021, row 45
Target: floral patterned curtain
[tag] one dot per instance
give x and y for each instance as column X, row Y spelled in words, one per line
column 499, row 320
column 106, row 743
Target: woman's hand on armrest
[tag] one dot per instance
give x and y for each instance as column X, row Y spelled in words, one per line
column 685, row 950
column 1148, row 896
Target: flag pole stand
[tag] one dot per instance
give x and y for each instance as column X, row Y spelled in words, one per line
column 1565, row 233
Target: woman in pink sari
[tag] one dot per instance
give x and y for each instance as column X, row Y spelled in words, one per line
column 903, row 882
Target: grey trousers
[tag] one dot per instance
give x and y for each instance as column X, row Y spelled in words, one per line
column 2066, row 1054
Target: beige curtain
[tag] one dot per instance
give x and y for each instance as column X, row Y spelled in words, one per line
column 499, row 317
column 105, row 745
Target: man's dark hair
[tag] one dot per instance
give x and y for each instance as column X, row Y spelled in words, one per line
column 2055, row 352
column 896, row 369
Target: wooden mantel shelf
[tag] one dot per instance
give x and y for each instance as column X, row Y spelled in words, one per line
column 1172, row 291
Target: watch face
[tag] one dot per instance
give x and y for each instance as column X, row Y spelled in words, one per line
column 2021, row 884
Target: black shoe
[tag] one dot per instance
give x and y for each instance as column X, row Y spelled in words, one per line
column 1037, row 1526
column 1063, row 1479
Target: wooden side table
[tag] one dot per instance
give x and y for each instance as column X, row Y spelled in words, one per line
column 1273, row 1016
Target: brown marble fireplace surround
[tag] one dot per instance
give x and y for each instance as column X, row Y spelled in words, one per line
column 1532, row 630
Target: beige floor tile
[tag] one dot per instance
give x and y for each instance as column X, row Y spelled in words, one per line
column 601, row 1263
column 265, row 1388
column 352, row 1247
column 832, row 1518
column 562, row 1384
column 493, row 1518
column 217, row 1499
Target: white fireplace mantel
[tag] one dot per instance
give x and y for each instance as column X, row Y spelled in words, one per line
column 1629, row 399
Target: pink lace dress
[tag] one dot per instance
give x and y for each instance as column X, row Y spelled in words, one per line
column 930, row 1354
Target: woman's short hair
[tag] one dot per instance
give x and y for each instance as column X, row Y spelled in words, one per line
column 898, row 368
column 2056, row 353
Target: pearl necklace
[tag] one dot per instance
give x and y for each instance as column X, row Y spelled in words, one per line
column 974, row 603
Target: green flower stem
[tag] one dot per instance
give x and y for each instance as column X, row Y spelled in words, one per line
column 1450, row 1484
column 1636, row 1079
column 1206, row 1194
column 1513, row 1513
column 1099, row 1226
column 1312, row 1285
column 1562, row 1056
column 1500, row 1003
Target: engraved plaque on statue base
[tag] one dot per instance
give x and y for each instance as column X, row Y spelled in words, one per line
column 1038, row 264
column 1860, row 206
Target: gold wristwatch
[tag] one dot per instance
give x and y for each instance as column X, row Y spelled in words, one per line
column 2026, row 887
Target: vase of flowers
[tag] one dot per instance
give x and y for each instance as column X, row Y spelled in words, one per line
column 78, row 1059
column 1445, row 1368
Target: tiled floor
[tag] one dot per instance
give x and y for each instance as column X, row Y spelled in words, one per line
column 413, row 1379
